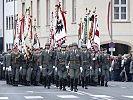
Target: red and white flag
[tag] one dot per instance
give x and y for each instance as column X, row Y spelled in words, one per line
column 95, row 34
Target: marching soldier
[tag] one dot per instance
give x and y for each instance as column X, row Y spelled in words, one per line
column 15, row 57
column 74, row 62
column 61, row 66
column 86, row 62
column 105, row 68
column 94, row 68
column 47, row 65
column 36, row 67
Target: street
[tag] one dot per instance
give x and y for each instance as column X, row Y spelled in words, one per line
column 115, row 91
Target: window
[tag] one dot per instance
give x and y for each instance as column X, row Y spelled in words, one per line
column 63, row 4
column 38, row 12
column 12, row 22
column 48, row 12
column 6, row 22
column 23, row 9
column 74, row 11
column 9, row 23
column 121, row 10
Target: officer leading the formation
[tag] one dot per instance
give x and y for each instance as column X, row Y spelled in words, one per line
column 74, row 63
column 47, row 65
column 61, row 66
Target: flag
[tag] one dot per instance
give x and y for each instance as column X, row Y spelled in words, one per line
column 16, row 35
column 36, row 42
column 85, row 30
column 52, row 34
column 80, row 33
column 88, row 33
column 60, row 26
column 95, row 35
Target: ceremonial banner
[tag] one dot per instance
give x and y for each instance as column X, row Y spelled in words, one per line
column 60, row 26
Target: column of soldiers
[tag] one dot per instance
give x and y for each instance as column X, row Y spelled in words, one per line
column 64, row 66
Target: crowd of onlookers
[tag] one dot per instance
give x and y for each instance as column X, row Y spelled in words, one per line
column 122, row 68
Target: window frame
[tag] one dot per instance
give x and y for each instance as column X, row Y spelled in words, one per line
column 120, row 13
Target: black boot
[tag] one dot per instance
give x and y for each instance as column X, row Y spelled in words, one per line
column 60, row 84
column 75, row 85
column 83, row 83
column 64, row 84
column 48, row 81
column 37, row 83
column 44, row 82
column 106, row 84
column 28, row 83
column 16, row 83
column 71, row 84
column 57, row 81
column 86, row 83
column 102, row 80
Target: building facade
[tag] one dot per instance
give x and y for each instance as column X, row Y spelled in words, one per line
column 1, row 25
column 122, row 19
column 10, row 11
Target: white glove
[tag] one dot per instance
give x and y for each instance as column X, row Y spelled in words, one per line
column 10, row 68
column 94, row 59
column 81, row 69
column 20, row 67
column 67, row 67
column 110, row 69
column 99, row 69
column 53, row 66
column 40, row 67
column 90, row 67
column 3, row 68
column 56, row 69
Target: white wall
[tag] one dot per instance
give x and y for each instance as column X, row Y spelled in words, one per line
column 9, row 11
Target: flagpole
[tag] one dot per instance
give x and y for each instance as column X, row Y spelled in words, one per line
column 111, row 28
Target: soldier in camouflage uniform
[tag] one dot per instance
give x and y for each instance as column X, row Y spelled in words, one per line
column 47, row 65
column 61, row 67
column 86, row 61
column 15, row 58
column 74, row 62
column 105, row 68
column 36, row 67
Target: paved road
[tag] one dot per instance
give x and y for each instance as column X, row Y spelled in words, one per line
column 115, row 91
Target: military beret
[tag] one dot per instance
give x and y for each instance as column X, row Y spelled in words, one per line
column 63, row 46
column 84, row 46
column 74, row 44
column 47, row 44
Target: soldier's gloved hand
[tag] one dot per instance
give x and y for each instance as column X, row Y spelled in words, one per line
column 90, row 67
column 10, row 68
column 20, row 67
column 67, row 67
column 99, row 69
column 3, row 68
column 53, row 66
column 56, row 69
column 40, row 67
column 94, row 59
column 81, row 69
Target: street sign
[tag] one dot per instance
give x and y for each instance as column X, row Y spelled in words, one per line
column 111, row 49
column 111, row 45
